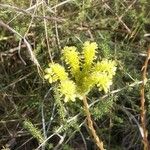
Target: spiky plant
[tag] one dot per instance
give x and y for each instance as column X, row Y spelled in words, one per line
column 85, row 72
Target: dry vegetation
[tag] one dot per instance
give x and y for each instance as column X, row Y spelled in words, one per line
column 33, row 33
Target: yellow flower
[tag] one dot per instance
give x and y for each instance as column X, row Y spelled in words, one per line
column 71, row 57
column 104, row 82
column 67, row 88
column 89, row 50
column 84, row 79
column 55, row 72
column 48, row 75
column 107, row 66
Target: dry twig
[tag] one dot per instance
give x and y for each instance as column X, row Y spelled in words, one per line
column 118, row 18
column 28, row 45
column 143, row 109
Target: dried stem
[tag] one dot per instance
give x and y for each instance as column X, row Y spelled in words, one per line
column 98, row 142
column 143, row 110
column 29, row 47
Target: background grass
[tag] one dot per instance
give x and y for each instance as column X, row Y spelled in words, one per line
column 30, row 108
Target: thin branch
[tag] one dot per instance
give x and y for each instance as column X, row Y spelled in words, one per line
column 46, row 33
column 43, row 123
column 56, row 32
column 131, row 118
column 127, row 9
column 143, row 109
column 19, row 54
column 60, row 141
column 119, row 18
column 32, row 55
column 18, row 80
column 51, row 118
column 60, row 4
column 84, row 141
column 85, row 27
column 57, row 131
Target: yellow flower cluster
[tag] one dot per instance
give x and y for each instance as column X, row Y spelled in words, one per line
column 68, row 88
column 89, row 50
column 71, row 57
column 105, row 71
column 107, row 66
column 55, row 72
column 104, row 81
column 85, row 74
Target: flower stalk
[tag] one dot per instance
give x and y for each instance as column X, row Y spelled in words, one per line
column 97, row 140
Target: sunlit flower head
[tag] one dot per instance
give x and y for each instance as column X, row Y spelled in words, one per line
column 89, row 51
column 71, row 57
column 67, row 89
column 107, row 66
column 55, row 72
column 82, row 72
column 104, row 82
